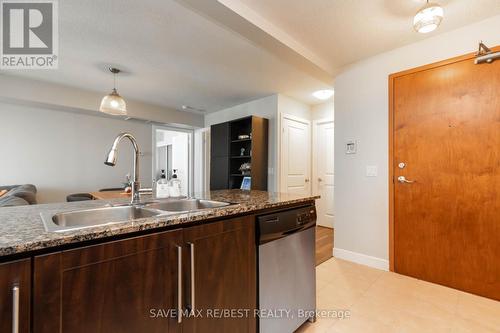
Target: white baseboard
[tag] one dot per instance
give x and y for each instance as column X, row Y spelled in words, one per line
column 362, row 259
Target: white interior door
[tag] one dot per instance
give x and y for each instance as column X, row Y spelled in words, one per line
column 295, row 156
column 323, row 171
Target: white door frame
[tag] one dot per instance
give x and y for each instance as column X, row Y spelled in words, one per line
column 190, row 153
column 280, row 150
column 201, row 160
column 315, row 190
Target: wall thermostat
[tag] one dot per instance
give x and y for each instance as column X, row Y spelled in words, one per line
column 351, row 147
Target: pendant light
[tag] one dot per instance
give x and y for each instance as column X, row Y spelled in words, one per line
column 428, row 18
column 113, row 103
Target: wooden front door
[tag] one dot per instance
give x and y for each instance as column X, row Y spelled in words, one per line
column 446, row 143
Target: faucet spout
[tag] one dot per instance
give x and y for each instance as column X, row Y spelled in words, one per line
column 111, row 161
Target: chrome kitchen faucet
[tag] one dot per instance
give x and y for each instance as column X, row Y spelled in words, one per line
column 111, row 161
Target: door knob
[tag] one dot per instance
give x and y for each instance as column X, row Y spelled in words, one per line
column 307, row 180
column 403, row 180
column 320, row 180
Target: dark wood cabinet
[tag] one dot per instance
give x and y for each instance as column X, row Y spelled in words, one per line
column 138, row 284
column 224, row 275
column 110, row 287
column 15, row 291
column 219, row 156
column 229, row 152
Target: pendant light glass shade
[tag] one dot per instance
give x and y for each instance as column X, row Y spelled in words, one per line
column 113, row 104
column 428, row 18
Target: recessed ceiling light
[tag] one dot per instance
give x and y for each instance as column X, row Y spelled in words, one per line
column 323, row 94
column 428, row 18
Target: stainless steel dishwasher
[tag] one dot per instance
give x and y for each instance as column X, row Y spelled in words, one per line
column 287, row 273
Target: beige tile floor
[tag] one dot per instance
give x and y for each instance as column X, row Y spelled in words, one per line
column 386, row 302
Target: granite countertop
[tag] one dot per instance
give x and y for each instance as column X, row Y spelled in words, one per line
column 22, row 230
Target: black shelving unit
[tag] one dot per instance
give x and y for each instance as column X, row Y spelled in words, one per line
column 227, row 156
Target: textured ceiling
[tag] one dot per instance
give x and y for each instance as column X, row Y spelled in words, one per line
column 340, row 32
column 172, row 56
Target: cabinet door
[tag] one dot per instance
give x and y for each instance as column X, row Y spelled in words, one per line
column 219, row 140
column 121, row 286
column 15, row 290
column 219, row 174
column 224, row 273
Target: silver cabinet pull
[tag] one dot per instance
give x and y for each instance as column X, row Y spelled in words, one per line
column 191, row 248
column 179, row 284
column 402, row 179
column 15, row 309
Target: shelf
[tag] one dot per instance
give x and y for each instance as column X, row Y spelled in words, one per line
column 226, row 149
column 241, row 140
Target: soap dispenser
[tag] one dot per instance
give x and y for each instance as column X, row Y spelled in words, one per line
column 175, row 185
column 162, row 186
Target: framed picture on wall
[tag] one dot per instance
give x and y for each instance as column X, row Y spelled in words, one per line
column 246, row 183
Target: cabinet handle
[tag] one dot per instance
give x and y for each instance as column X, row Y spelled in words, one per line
column 191, row 248
column 179, row 284
column 15, row 309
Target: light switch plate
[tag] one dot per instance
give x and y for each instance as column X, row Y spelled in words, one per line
column 371, row 171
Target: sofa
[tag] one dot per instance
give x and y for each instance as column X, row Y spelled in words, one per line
column 18, row 195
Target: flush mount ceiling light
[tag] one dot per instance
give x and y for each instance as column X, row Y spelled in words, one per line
column 428, row 18
column 190, row 108
column 113, row 103
column 323, row 94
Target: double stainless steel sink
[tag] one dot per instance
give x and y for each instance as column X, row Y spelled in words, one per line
column 114, row 214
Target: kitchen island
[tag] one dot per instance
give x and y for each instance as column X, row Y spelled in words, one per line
column 145, row 275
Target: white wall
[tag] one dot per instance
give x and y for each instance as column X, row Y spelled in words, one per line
column 64, row 152
column 266, row 107
column 42, row 122
column 201, row 161
column 180, row 160
column 55, row 96
column 271, row 107
column 287, row 105
column 361, row 113
column 323, row 110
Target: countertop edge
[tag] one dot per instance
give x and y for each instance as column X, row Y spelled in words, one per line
column 26, row 248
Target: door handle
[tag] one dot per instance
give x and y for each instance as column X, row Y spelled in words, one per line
column 179, row 284
column 403, row 180
column 15, row 309
column 320, row 180
column 307, row 180
column 191, row 248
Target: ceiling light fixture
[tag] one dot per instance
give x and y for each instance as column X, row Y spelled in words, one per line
column 323, row 94
column 190, row 108
column 428, row 18
column 113, row 103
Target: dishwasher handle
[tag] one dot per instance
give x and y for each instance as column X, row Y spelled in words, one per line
column 265, row 238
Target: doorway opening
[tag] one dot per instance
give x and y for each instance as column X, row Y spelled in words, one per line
column 307, row 167
column 173, row 154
